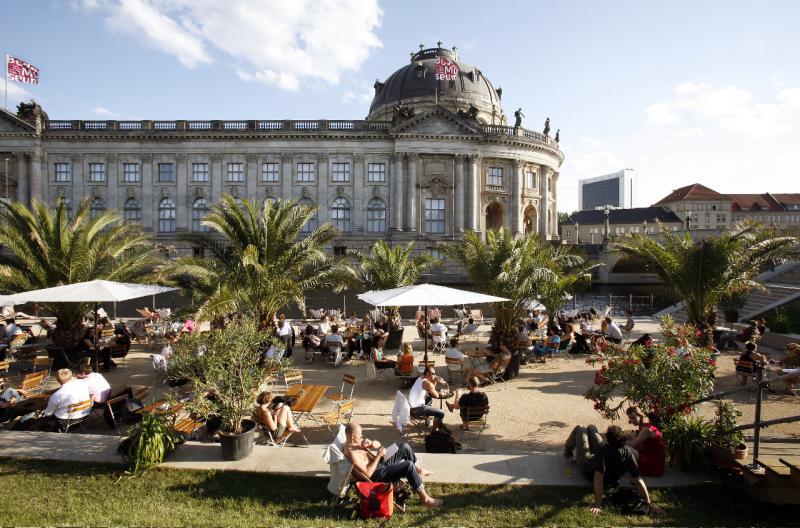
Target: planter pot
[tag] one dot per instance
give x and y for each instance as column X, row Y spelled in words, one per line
column 732, row 316
column 740, row 453
column 238, row 446
column 721, row 455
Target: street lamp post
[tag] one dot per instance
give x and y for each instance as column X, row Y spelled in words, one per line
column 577, row 233
column 688, row 219
column 607, row 214
column 644, row 227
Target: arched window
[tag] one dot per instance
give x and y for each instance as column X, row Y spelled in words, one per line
column 311, row 225
column 376, row 216
column 131, row 211
column 166, row 216
column 96, row 208
column 199, row 211
column 340, row 214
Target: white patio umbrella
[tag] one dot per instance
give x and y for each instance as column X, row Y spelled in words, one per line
column 95, row 291
column 426, row 295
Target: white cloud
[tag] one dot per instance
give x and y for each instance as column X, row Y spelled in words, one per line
column 278, row 42
column 689, row 88
column 100, row 110
column 16, row 94
column 689, row 133
column 661, row 114
column 358, row 93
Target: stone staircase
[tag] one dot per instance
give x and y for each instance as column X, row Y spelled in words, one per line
column 781, row 288
column 777, row 478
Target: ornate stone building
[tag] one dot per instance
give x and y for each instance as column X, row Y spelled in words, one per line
column 432, row 160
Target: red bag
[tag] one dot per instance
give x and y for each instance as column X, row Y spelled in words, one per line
column 376, row 499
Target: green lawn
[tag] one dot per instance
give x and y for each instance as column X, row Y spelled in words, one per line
column 61, row 493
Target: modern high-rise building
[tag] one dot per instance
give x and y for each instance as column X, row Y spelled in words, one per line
column 612, row 190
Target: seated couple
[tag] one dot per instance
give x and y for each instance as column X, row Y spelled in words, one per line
column 367, row 457
column 469, row 400
column 274, row 414
column 605, row 463
column 496, row 363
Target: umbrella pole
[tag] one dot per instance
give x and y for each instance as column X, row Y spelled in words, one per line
column 425, row 331
column 96, row 342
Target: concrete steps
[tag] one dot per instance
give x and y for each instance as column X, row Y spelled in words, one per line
column 777, row 480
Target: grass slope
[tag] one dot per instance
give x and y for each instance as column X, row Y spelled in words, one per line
column 61, row 493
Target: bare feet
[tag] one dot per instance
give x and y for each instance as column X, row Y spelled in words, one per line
column 294, row 429
column 424, row 472
column 433, row 503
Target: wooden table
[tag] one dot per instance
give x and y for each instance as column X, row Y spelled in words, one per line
column 307, row 398
column 477, row 356
column 154, row 408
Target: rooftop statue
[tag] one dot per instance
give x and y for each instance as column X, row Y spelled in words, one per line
column 470, row 113
column 518, row 115
column 546, row 131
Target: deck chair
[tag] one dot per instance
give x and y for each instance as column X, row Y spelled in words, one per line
column 79, row 421
column 348, row 380
column 439, row 343
column 188, row 426
column 474, row 422
column 32, row 383
column 562, row 351
column 267, row 437
column 340, row 414
column 293, row 377
column 43, row 364
column 454, row 365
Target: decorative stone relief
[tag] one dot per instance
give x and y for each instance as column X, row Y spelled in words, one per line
column 147, row 158
column 216, row 158
column 376, row 192
column 130, row 192
column 340, row 192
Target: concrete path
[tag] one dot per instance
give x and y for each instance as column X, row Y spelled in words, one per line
column 528, row 468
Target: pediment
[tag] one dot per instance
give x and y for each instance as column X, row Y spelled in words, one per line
column 11, row 123
column 436, row 121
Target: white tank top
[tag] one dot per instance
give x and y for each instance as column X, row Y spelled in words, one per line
column 416, row 396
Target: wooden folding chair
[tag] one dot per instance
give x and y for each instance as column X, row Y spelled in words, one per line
column 423, row 365
column 454, row 365
column 114, row 408
column 32, row 383
column 4, row 367
column 340, row 414
column 79, row 421
column 347, row 379
column 267, row 437
column 474, row 421
column 188, row 426
column 44, row 364
column 293, row 377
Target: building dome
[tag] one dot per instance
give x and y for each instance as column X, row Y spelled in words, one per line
column 415, row 86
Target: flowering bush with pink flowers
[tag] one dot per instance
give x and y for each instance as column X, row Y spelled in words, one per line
column 661, row 379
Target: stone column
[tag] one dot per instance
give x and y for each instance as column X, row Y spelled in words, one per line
column 411, row 193
column 112, row 180
column 182, row 208
column 77, row 180
column 322, row 189
column 216, row 177
column 148, row 207
column 396, row 187
column 287, row 176
column 544, row 210
column 21, row 162
column 516, row 195
column 37, row 186
column 251, row 175
column 474, row 197
column 358, row 210
column 459, row 192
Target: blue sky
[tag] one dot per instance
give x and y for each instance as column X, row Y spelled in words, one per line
column 681, row 91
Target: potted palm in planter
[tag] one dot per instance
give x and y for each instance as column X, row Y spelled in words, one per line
column 226, row 368
column 732, row 303
column 727, row 444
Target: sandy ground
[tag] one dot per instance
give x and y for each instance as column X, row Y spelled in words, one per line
column 535, row 411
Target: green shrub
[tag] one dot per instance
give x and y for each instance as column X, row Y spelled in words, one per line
column 687, row 438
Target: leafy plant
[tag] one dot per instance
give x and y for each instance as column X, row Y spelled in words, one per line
column 264, row 261
column 519, row 268
column 150, row 441
column 724, row 423
column 687, row 438
column 44, row 247
column 780, row 321
column 226, row 364
column 661, row 380
column 385, row 267
column 702, row 273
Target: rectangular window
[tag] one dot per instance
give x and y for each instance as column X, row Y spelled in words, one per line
column 97, row 172
column 530, row 180
column 376, row 172
column 496, row 176
column 200, row 172
column 721, row 218
column 63, row 172
column 339, row 251
column 270, row 172
column 436, row 253
column 130, row 173
column 434, row 215
column 340, row 172
column 166, row 172
column 305, row 172
column 198, row 252
column 235, row 172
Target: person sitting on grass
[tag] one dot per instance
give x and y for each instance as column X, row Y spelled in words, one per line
column 274, row 414
column 367, row 457
column 751, row 355
column 605, row 463
column 495, row 363
column 472, row 398
column 647, row 443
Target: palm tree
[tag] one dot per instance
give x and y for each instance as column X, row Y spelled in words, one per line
column 520, row 269
column 43, row 247
column 385, row 267
column 260, row 264
column 704, row 272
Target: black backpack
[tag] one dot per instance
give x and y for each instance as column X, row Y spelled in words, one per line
column 440, row 441
column 626, row 501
